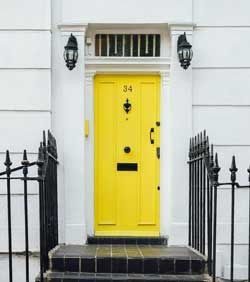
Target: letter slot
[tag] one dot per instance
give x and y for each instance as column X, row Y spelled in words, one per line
column 127, row 166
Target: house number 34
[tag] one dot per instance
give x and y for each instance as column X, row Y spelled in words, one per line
column 127, row 88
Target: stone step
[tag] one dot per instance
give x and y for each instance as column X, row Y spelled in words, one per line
column 143, row 259
column 162, row 240
column 104, row 277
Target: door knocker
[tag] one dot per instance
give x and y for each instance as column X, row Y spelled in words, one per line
column 127, row 106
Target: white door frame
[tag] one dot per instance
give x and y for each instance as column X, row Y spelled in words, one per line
column 72, row 104
column 110, row 65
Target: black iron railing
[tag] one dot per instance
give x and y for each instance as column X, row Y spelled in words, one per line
column 203, row 189
column 47, row 179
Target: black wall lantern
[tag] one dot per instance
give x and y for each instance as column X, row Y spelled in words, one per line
column 184, row 50
column 71, row 52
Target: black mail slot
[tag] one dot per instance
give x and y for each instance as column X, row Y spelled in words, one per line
column 127, row 166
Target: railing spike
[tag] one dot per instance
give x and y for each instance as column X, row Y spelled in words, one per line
column 248, row 170
column 233, row 164
column 190, row 148
column 44, row 138
column 202, row 143
column 195, row 146
column 198, row 144
column 7, row 162
column 25, row 158
column 216, row 169
column 216, row 163
column 40, row 153
column 233, row 169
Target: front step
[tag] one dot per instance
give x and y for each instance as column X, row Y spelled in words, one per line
column 162, row 240
column 104, row 277
column 140, row 259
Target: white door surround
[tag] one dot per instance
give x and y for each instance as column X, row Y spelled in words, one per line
column 79, row 203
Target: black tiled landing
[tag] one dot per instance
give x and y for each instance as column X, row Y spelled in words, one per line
column 127, row 240
column 66, row 277
column 127, row 259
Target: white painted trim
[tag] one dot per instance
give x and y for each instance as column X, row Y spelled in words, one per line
column 89, row 152
column 69, row 132
column 73, row 27
column 127, row 64
column 133, row 28
column 165, row 145
column 145, row 61
column 176, row 28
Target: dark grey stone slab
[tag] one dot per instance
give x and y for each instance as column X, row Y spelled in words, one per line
column 55, row 276
column 147, row 259
column 161, row 240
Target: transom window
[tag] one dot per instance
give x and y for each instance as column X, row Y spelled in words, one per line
column 127, row 45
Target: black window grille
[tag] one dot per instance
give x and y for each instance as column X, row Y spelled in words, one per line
column 127, row 45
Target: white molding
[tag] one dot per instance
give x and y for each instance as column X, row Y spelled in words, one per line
column 137, row 27
column 177, row 29
column 165, row 78
column 89, row 152
column 89, row 76
column 77, row 28
column 127, row 64
column 128, row 60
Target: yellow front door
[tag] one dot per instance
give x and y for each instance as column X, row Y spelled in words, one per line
column 127, row 152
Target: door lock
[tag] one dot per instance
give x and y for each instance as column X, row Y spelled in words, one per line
column 152, row 130
column 158, row 152
column 127, row 149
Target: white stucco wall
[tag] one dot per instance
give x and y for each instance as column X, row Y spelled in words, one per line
column 221, row 104
column 212, row 94
column 25, row 110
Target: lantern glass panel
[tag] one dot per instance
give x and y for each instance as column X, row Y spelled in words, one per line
column 180, row 54
column 185, row 53
column 70, row 55
column 191, row 54
column 75, row 55
column 65, row 55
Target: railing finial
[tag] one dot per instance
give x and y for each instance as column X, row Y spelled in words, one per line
column 190, row 149
column 7, row 162
column 44, row 138
column 201, row 143
column 40, row 160
column 25, row 158
column 248, row 170
column 216, row 170
column 233, row 169
column 212, row 156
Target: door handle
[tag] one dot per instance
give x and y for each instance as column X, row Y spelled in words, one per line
column 152, row 141
column 127, row 149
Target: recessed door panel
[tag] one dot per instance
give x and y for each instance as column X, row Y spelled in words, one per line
column 126, row 162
